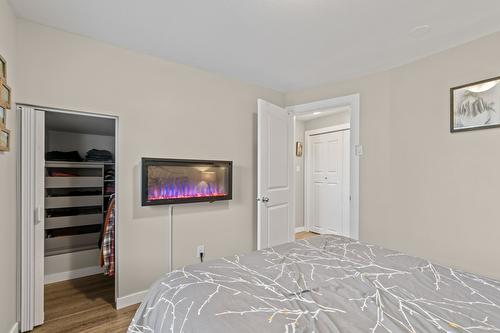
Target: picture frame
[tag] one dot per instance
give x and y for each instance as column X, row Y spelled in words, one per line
column 475, row 106
column 3, row 68
column 298, row 149
column 5, row 95
column 4, row 140
column 3, row 117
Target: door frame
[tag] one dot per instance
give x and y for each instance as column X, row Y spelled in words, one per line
column 29, row 209
column 307, row 168
column 356, row 149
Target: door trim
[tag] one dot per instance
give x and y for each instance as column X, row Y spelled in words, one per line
column 353, row 102
column 307, row 169
column 29, row 315
column 330, row 129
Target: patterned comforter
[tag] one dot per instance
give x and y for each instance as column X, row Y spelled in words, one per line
column 322, row 284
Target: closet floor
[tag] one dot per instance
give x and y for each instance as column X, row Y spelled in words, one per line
column 84, row 305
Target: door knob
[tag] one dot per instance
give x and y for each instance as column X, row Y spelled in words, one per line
column 265, row 199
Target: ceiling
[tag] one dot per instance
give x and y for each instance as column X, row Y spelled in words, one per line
column 286, row 45
column 75, row 123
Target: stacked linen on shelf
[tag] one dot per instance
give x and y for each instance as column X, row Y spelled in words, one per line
column 66, row 156
column 96, row 155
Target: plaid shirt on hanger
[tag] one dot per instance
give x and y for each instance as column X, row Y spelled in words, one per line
column 108, row 242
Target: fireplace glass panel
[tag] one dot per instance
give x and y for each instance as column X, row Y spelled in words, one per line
column 180, row 181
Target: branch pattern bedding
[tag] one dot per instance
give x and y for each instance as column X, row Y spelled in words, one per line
column 322, row 284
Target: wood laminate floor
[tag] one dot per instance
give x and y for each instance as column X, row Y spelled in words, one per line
column 304, row 235
column 84, row 305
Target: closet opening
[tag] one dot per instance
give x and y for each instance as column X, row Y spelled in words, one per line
column 70, row 162
column 79, row 217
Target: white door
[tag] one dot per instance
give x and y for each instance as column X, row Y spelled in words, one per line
column 32, row 217
column 274, row 210
column 328, row 208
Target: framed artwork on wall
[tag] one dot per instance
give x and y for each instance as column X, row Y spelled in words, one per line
column 3, row 69
column 4, row 140
column 298, row 149
column 5, row 95
column 475, row 106
column 3, row 117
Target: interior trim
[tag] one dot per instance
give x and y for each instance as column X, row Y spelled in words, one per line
column 74, row 274
column 300, row 229
column 135, row 298
column 15, row 328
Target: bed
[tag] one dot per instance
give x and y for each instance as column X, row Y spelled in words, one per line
column 322, row 284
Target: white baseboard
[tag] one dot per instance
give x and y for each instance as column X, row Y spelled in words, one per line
column 135, row 298
column 300, row 229
column 14, row 329
column 75, row 274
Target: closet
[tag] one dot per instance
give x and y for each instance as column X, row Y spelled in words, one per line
column 79, row 187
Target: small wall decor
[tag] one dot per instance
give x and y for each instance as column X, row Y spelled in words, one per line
column 3, row 69
column 4, row 140
column 3, row 117
column 5, row 95
column 298, row 149
column 475, row 105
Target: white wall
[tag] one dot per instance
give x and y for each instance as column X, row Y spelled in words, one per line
column 299, row 175
column 65, row 141
column 8, row 212
column 424, row 190
column 164, row 110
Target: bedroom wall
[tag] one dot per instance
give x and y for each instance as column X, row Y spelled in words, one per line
column 299, row 176
column 8, row 212
column 424, row 190
column 165, row 110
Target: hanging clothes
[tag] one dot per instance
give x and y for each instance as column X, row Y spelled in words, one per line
column 107, row 258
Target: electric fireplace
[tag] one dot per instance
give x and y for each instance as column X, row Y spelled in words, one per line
column 173, row 181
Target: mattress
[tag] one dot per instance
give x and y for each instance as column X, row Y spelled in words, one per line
column 322, row 284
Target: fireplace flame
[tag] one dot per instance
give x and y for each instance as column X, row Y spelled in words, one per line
column 178, row 189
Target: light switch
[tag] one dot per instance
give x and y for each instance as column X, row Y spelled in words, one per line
column 298, row 168
column 358, row 150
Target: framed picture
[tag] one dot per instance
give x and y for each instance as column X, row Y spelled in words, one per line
column 475, row 106
column 5, row 95
column 3, row 117
column 4, row 140
column 298, row 149
column 3, row 69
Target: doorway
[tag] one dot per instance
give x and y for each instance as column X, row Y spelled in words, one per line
column 322, row 204
column 280, row 205
column 68, row 178
column 327, row 205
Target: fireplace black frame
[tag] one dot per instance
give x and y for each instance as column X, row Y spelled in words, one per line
column 148, row 161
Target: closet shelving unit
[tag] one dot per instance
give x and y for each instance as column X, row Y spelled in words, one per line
column 75, row 202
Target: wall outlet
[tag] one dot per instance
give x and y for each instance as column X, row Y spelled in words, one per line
column 199, row 250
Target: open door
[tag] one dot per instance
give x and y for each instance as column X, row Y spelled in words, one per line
column 275, row 223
